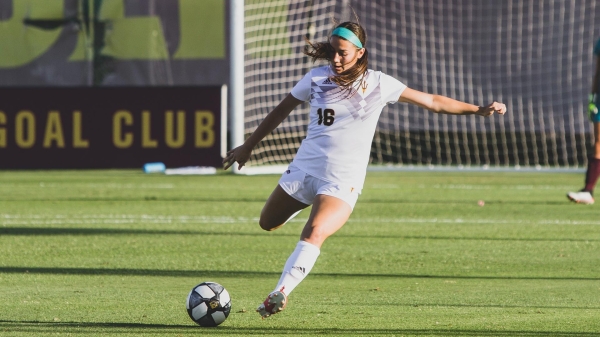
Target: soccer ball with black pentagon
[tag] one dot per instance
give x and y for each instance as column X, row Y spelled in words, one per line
column 208, row 304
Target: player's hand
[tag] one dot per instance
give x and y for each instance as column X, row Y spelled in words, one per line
column 240, row 154
column 592, row 108
column 490, row 109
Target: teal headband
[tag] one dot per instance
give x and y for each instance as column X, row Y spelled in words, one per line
column 348, row 35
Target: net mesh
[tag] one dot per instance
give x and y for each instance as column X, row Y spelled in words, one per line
column 535, row 56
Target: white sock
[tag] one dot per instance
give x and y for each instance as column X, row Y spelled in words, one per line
column 298, row 265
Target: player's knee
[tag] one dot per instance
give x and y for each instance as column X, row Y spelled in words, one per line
column 267, row 224
column 314, row 235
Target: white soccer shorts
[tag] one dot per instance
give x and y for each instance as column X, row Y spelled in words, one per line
column 304, row 187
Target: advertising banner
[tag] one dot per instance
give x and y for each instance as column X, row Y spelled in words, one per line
column 110, row 127
column 112, row 83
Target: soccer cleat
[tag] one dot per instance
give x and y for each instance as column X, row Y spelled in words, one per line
column 581, row 197
column 274, row 303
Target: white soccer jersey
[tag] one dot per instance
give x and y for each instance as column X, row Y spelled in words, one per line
column 342, row 125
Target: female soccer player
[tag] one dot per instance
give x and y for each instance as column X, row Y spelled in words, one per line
column 585, row 196
column 330, row 166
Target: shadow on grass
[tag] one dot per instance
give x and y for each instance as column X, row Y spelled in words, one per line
column 138, row 198
column 48, row 231
column 261, row 199
column 464, row 202
column 25, row 327
column 246, row 274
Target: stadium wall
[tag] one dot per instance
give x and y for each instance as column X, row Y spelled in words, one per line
column 112, row 83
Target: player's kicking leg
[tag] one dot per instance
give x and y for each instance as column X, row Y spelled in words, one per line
column 328, row 215
column 278, row 210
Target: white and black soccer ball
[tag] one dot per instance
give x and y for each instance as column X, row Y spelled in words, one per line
column 208, row 304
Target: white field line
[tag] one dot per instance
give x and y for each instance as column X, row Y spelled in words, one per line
column 91, row 186
column 474, row 187
column 374, row 186
column 17, row 219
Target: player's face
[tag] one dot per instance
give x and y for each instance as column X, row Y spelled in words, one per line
column 345, row 54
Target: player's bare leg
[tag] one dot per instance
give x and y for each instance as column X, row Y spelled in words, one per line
column 597, row 140
column 279, row 209
column 327, row 216
column 585, row 196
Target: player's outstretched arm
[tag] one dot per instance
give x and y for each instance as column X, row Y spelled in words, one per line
column 241, row 154
column 446, row 105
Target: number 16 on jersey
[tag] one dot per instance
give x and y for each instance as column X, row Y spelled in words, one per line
column 326, row 116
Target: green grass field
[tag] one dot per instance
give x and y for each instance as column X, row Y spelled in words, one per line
column 102, row 253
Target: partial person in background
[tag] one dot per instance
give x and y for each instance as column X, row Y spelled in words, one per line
column 586, row 195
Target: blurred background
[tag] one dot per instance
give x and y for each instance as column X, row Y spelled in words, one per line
column 119, row 83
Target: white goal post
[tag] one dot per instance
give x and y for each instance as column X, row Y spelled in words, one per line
column 535, row 56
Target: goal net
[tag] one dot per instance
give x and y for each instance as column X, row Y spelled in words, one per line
column 535, row 56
